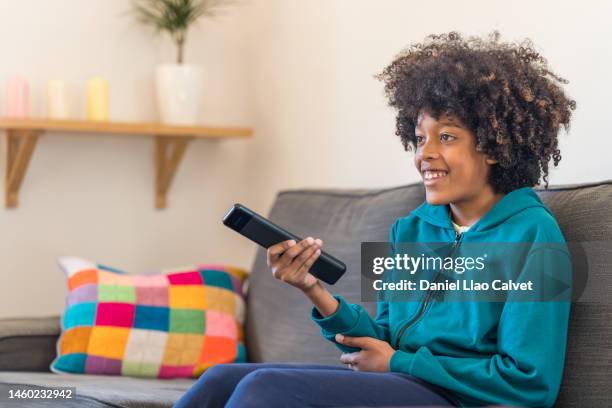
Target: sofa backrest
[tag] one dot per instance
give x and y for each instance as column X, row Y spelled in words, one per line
column 278, row 326
column 584, row 213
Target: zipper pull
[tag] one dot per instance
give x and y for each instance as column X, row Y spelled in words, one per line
column 457, row 239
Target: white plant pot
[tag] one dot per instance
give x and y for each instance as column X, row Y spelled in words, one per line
column 179, row 93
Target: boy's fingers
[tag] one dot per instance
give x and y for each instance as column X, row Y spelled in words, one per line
column 295, row 250
column 287, row 256
column 349, row 358
column 359, row 342
column 314, row 253
column 301, row 246
column 304, row 255
column 276, row 250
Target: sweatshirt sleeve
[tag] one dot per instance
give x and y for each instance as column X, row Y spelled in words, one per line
column 353, row 320
column 528, row 366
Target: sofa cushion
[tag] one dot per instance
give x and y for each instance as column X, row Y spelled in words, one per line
column 278, row 327
column 28, row 344
column 100, row 391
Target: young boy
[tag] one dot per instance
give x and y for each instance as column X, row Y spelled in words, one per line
column 482, row 117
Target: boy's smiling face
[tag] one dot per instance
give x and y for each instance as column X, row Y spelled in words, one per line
column 452, row 170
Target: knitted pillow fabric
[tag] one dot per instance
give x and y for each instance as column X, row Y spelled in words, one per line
column 171, row 325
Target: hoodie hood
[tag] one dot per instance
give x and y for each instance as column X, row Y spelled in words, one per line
column 511, row 204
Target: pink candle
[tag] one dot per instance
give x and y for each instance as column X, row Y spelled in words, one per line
column 16, row 98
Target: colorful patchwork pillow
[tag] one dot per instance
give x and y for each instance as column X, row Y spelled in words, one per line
column 175, row 324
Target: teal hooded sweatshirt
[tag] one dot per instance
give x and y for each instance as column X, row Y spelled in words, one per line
column 483, row 353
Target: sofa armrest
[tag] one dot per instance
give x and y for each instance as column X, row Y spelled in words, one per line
column 28, row 344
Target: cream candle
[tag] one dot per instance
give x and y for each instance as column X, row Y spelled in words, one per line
column 16, row 98
column 57, row 100
column 97, row 99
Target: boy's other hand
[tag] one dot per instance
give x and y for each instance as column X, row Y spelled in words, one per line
column 291, row 261
column 375, row 355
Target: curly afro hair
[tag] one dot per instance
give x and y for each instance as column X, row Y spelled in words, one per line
column 503, row 92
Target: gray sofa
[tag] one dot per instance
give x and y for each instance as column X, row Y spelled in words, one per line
column 279, row 329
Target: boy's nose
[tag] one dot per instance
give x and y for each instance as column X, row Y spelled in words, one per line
column 428, row 152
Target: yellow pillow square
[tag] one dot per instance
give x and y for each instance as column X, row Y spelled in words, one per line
column 108, row 341
column 187, row 297
column 183, row 349
column 220, row 300
column 75, row 340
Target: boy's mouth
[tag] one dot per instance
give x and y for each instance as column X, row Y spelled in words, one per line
column 431, row 176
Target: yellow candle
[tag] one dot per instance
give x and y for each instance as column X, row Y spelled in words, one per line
column 97, row 99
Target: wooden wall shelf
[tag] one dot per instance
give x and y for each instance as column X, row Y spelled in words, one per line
column 170, row 145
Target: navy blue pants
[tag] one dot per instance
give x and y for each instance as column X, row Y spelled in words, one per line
column 286, row 385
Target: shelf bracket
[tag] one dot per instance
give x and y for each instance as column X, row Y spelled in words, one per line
column 169, row 151
column 20, row 145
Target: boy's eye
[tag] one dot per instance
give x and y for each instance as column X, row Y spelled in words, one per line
column 445, row 137
column 419, row 139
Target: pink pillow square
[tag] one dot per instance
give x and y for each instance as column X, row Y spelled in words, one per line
column 115, row 314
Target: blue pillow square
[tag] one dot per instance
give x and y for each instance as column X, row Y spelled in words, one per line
column 220, row 279
column 152, row 318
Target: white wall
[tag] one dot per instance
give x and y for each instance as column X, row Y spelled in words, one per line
column 93, row 195
column 318, row 101
column 300, row 72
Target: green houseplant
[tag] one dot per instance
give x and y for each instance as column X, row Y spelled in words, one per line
column 178, row 85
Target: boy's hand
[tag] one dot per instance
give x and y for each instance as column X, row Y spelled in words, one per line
column 375, row 354
column 290, row 261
